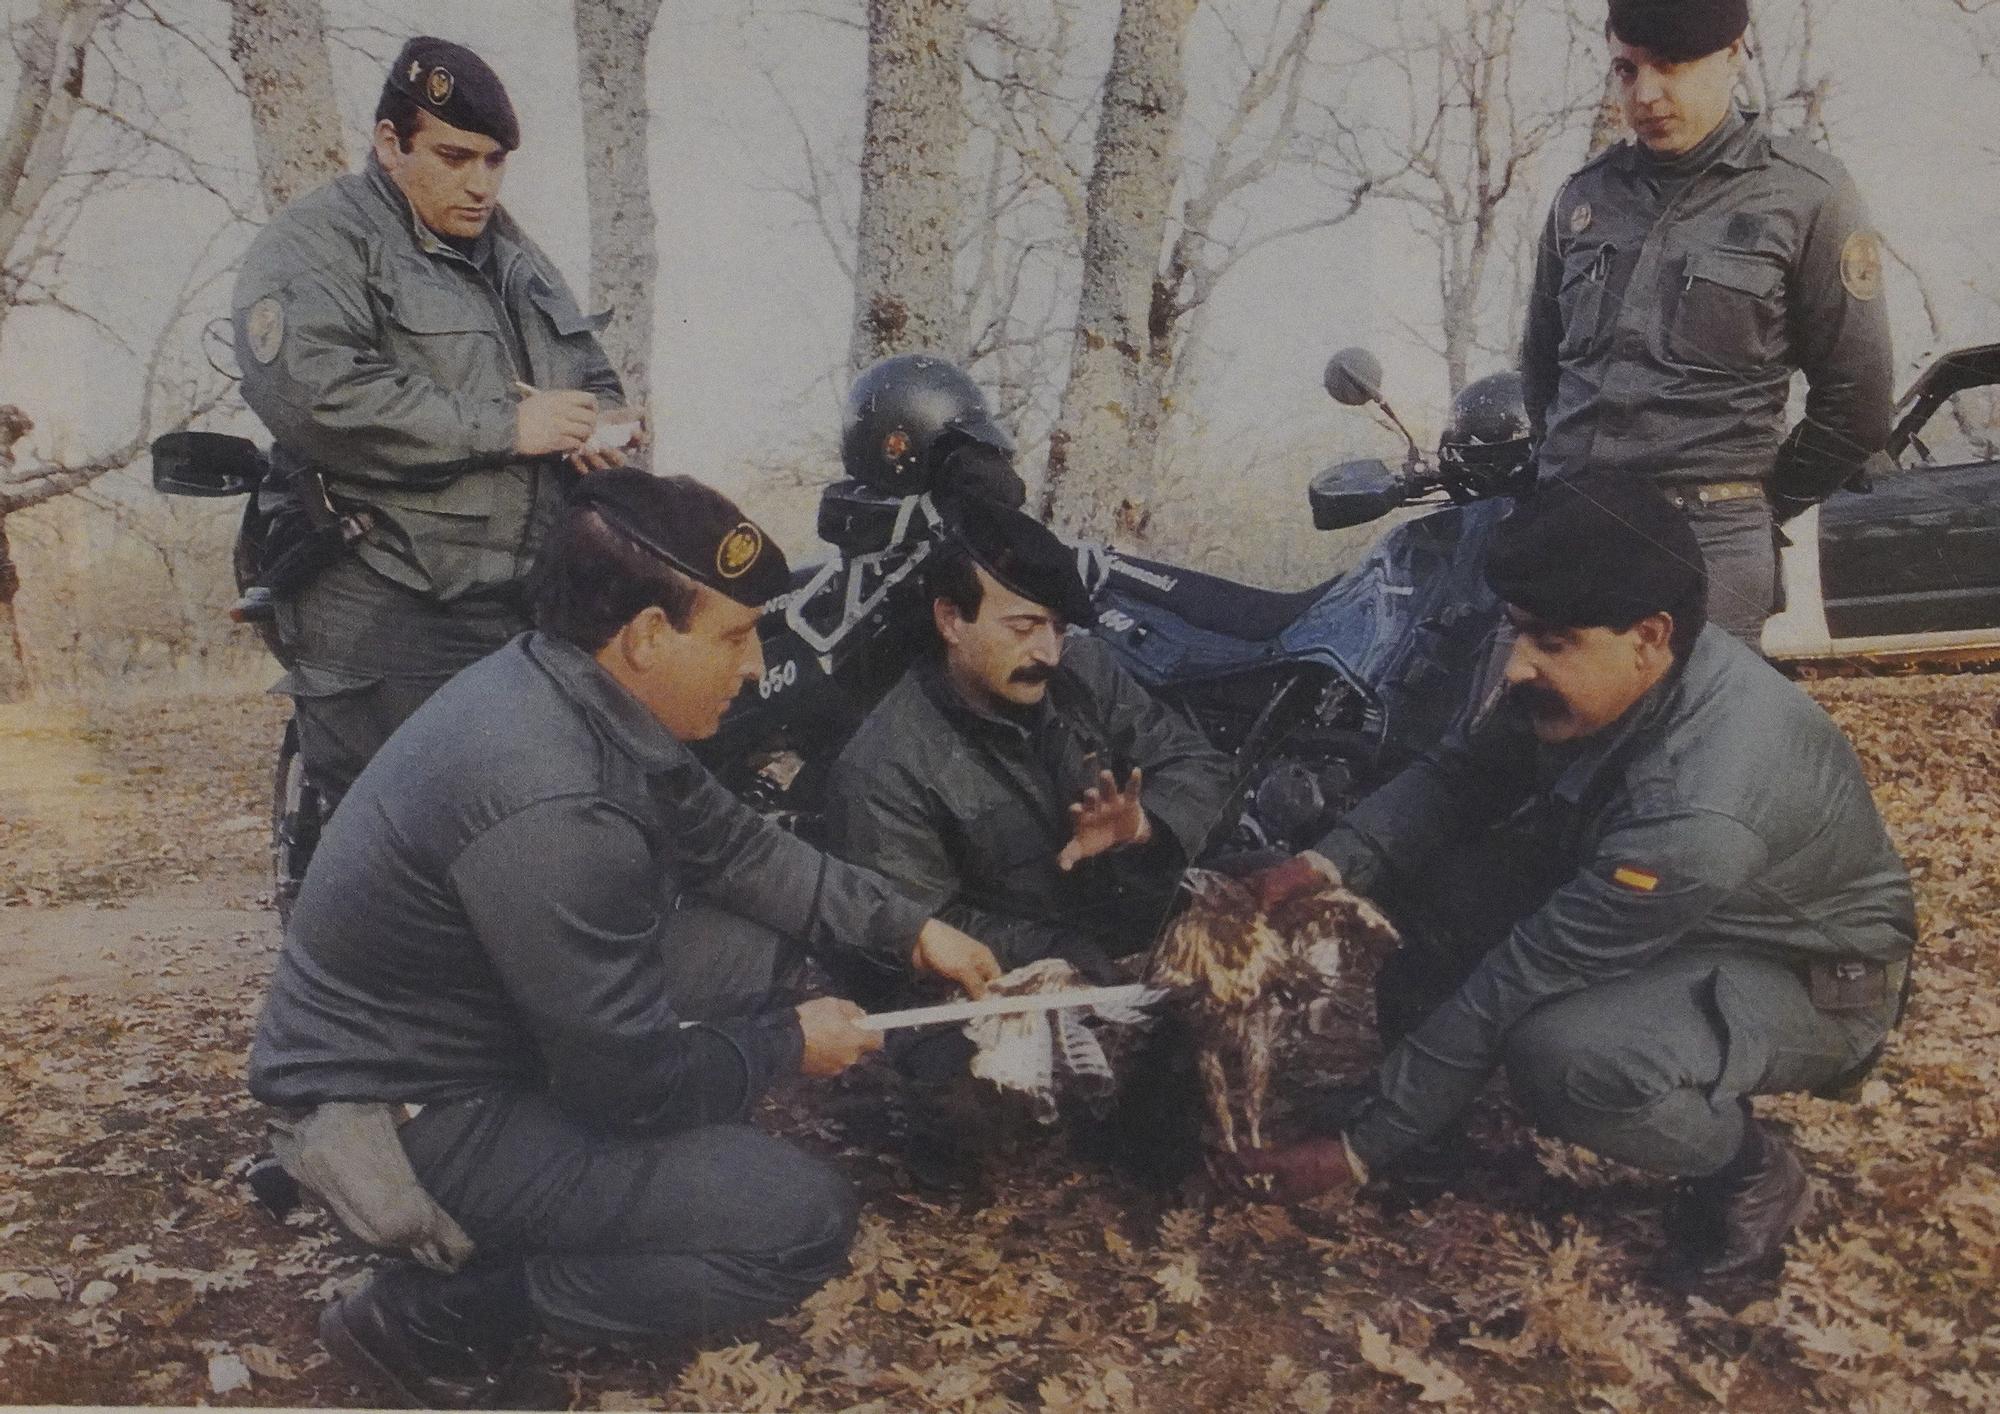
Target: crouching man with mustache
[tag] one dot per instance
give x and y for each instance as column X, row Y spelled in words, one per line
column 540, row 972
column 1649, row 885
column 1023, row 785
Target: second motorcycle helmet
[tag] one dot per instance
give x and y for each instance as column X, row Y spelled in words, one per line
column 916, row 423
column 1486, row 449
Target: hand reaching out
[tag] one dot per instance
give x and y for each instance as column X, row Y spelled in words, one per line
column 1107, row 817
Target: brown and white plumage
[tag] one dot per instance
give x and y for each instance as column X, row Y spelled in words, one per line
column 1250, row 975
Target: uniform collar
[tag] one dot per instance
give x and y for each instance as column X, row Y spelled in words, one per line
column 615, row 712
column 936, row 682
column 1745, row 145
column 486, row 248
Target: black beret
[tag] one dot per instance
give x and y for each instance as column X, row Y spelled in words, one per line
column 694, row 528
column 1600, row 551
column 458, row 86
column 1020, row 552
column 1680, row 30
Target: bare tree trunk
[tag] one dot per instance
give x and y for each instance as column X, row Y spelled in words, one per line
column 51, row 50
column 611, row 41
column 280, row 48
column 1092, row 452
column 13, row 657
column 1608, row 125
column 903, row 291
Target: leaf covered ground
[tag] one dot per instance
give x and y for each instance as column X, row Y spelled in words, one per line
column 134, row 1268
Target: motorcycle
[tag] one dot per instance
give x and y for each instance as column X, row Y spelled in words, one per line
column 1319, row 694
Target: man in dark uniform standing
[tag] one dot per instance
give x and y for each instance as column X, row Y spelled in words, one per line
column 1650, row 884
column 533, row 983
column 1682, row 278
column 420, row 362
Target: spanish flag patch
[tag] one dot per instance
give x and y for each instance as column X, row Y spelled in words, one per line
column 1640, row 881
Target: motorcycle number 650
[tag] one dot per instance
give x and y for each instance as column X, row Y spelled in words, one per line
column 777, row 679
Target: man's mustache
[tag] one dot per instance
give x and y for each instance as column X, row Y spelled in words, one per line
column 1032, row 673
column 1540, row 701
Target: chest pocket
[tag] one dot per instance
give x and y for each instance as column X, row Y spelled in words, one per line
column 1586, row 273
column 1729, row 314
column 442, row 334
column 562, row 313
column 561, row 339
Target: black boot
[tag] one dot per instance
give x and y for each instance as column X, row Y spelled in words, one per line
column 431, row 1340
column 1735, row 1221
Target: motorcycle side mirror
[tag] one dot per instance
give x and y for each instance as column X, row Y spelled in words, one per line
column 206, row 464
column 1354, row 377
column 1354, row 493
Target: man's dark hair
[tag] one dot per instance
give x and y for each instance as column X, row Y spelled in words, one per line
column 593, row 578
column 400, row 111
column 952, row 574
column 1689, row 616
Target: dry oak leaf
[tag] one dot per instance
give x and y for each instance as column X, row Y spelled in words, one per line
column 1436, row 1384
column 1180, row 1282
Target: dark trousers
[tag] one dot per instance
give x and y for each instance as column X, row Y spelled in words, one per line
column 1647, row 1068
column 1741, row 552
column 690, row 1234
column 366, row 653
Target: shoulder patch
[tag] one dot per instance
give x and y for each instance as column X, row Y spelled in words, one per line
column 1639, row 881
column 1861, row 265
column 264, row 328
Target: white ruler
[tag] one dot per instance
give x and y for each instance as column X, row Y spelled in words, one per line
column 1131, row 994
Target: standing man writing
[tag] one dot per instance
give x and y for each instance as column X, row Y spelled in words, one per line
column 1682, row 277
column 428, row 376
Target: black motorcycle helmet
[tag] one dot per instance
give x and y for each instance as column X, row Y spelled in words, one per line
column 916, row 423
column 1485, row 449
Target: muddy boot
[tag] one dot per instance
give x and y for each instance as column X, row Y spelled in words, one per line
column 1734, row 1222
column 428, row 1340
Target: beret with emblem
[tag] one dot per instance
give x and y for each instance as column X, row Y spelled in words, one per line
column 1599, row 551
column 1020, row 552
column 1680, row 30
column 458, row 86
column 693, row 527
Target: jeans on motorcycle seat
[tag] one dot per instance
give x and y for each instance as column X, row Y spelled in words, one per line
column 1213, row 603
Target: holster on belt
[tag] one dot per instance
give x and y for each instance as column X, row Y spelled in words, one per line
column 307, row 536
column 348, row 1155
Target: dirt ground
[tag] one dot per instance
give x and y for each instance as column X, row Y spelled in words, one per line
column 135, row 935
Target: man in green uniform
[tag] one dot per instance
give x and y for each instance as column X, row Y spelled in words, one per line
column 1650, row 884
column 534, row 982
column 1682, row 278
column 421, row 363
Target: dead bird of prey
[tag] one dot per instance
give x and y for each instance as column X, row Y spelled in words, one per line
column 1248, row 975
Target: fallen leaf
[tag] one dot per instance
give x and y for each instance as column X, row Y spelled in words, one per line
column 227, row 1374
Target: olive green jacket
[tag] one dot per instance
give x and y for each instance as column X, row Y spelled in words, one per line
column 387, row 359
column 966, row 810
column 1672, row 304
column 1725, row 809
